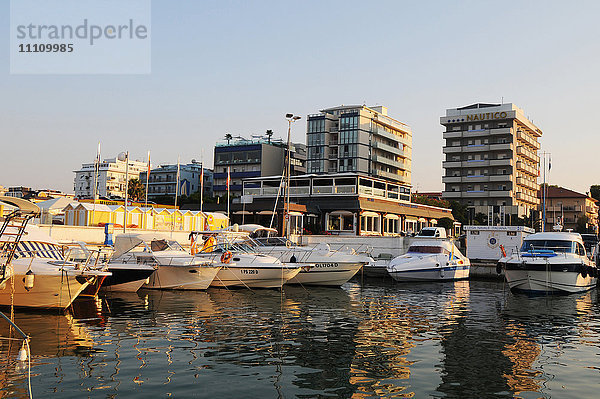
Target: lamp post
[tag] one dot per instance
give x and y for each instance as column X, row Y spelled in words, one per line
column 286, row 205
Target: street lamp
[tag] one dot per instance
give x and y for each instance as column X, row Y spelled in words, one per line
column 286, row 208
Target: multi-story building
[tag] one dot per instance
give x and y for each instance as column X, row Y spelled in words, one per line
column 162, row 180
column 19, row 192
column 491, row 162
column 346, row 203
column 253, row 158
column 3, row 190
column 360, row 139
column 565, row 207
column 110, row 177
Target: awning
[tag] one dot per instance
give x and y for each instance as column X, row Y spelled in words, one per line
column 422, row 220
column 411, row 219
column 294, row 213
column 433, row 221
column 392, row 216
column 368, row 213
column 265, row 213
column 242, row 213
column 341, row 213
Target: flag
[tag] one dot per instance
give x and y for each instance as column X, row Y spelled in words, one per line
column 148, row 174
column 201, row 180
column 228, row 182
column 549, row 163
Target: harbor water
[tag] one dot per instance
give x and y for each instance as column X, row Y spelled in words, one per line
column 370, row 338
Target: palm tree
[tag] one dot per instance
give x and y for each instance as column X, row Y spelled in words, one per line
column 269, row 135
column 228, row 137
column 136, row 190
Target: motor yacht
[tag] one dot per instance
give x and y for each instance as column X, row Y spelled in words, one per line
column 175, row 267
column 125, row 277
column 42, row 276
column 550, row 263
column 431, row 256
column 242, row 266
column 320, row 265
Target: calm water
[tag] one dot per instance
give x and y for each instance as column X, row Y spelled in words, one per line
column 369, row 339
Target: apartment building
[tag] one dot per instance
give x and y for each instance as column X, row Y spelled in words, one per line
column 110, row 177
column 491, row 160
column 565, row 207
column 253, row 158
column 361, row 139
column 162, row 181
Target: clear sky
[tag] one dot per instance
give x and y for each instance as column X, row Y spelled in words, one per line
column 238, row 67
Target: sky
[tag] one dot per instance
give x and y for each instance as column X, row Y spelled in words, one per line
column 238, row 67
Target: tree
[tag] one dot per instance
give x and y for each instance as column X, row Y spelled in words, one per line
column 269, row 135
column 446, row 223
column 480, row 219
column 228, row 137
column 459, row 211
column 136, row 190
column 582, row 224
column 595, row 192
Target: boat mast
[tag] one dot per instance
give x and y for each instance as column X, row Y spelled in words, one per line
column 126, row 191
column 286, row 201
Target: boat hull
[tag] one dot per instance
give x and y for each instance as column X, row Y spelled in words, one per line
column 447, row 273
column 253, row 276
column 196, row 277
column 126, row 278
column 48, row 291
column 548, row 282
column 326, row 273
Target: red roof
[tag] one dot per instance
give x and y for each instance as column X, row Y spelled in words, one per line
column 560, row 192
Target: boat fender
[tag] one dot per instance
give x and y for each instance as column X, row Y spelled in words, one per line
column 499, row 268
column 288, row 243
column 28, row 280
column 226, row 257
column 583, row 271
column 293, row 259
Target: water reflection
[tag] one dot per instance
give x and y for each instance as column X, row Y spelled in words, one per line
column 369, row 339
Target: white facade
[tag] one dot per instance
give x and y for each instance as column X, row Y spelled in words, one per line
column 483, row 242
column 491, row 158
column 110, row 178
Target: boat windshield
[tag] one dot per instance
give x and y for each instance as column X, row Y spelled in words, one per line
column 164, row 245
column 271, row 241
column 563, row 246
column 427, row 249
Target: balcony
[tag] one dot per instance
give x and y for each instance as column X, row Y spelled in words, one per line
column 501, row 131
column 501, row 193
column 451, row 179
column 451, row 194
column 388, row 148
column 475, row 163
column 477, row 133
column 451, row 164
column 500, row 178
column 502, row 147
column 452, row 135
column 527, row 183
column 526, row 153
column 476, row 148
column 475, row 179
column 524, row 137
column 404, row 140
column 527, row 168
column 322, row 190
column 333, row 155
column 501, row 162
column 387, row 161
column 450, row 150
column 393, row 176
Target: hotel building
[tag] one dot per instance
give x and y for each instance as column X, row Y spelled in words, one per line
column 359, row 139
column 491, row 162
column 162, row 180
column 111, row 178
column 253, row 158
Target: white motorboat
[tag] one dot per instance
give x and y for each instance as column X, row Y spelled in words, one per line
column 319, row 264
column 430, row 257
column 244, row 268
column 125, row 277
column 550, row 263
column 175, row 267
column 42, row 277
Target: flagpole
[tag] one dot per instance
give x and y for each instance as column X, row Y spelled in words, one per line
column 176, row 193
column 228, row 189
column 126, row 191
column 96, row 173
column 146, row 201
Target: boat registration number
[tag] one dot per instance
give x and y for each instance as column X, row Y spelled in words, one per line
column 249, row 271
column 326, row 265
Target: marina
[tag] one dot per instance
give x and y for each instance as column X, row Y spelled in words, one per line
column 369, row 338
